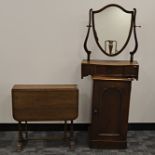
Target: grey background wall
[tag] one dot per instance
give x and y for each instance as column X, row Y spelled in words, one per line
column 41, row 42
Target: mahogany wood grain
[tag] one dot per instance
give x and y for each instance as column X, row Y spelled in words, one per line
column 44, row 102
column 111, row 68
column 110, row 101
column 110, row 113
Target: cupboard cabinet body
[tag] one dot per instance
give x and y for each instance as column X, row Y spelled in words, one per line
column 110, row 101
column 110, row 110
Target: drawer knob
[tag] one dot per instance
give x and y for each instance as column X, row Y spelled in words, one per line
column 95, row 111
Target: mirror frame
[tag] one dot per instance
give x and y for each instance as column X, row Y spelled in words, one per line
column 132, row 29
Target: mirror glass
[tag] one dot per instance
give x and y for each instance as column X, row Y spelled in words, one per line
column 112, row 27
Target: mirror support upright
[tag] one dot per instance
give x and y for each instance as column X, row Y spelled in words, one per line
column 135, row 35
column 87, row 36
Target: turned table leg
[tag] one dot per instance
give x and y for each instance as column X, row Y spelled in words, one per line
column 72, row 143
column 26, row 131
column 65, row 131
column 20, row 137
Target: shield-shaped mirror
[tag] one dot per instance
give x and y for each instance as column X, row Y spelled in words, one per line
column 112, row 27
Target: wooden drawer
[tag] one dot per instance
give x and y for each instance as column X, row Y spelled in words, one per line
column 124, row 69
column 109, row 71
column 44, row 102
column 88, row 70
column 131, row 71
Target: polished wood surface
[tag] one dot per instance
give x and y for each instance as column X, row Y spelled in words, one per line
column 109, row 113
column 110, row 101
column 43, row 87
column 111, row 62
column 107, row 78
column 122, row 68
column 44, row 102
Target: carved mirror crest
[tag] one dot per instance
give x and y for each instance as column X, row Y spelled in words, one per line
column 112, row 27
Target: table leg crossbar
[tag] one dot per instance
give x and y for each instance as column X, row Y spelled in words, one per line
column 22, row 140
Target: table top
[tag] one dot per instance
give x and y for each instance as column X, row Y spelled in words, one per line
column 44, row 87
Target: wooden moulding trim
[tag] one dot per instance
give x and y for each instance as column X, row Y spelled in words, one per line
column 111, row 78
column 110, row 62
column 44, row 87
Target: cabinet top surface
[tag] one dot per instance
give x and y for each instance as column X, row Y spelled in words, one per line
column 44, row 87
column 110, row 62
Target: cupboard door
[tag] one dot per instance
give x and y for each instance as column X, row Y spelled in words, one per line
column 110, row 112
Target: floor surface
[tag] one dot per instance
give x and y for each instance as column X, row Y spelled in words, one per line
column 139, row 143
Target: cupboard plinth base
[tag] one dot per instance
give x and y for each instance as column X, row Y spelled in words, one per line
column 101, row 144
